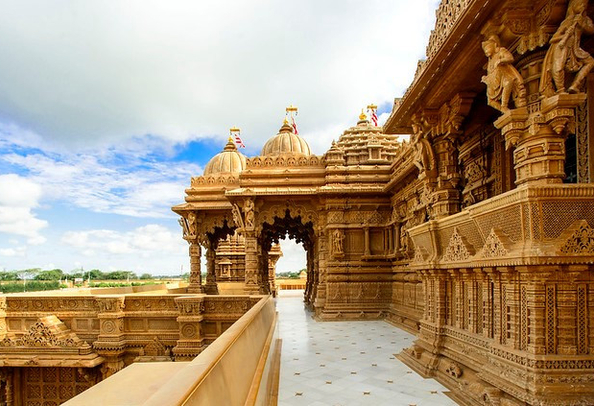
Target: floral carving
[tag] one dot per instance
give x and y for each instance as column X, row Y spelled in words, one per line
column 458, row 249
column 580, row 241
column 493, row 247
column 47, row 332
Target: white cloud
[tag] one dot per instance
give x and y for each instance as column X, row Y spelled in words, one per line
column 145, row 241
column 17, row 199
column 294, row 257
column 86, row 73
column 13, row 252
column 125, row 181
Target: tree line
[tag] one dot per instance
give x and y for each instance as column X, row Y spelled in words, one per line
column 59, row 275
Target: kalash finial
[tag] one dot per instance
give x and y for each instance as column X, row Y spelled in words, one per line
column 362, row 116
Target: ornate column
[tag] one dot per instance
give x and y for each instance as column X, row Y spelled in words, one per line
column 110, row 342
column 190, row 343
column 263, row 283
column 251, row 248
column 211, row 278
column 195, row 285
column 367, row 247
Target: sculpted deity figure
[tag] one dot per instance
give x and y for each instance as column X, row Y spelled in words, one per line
column 502, row 79
column 192, row 224
column 237, row 216
column 338, row 242
column 424, row 156
column 565, row 53
column 404, row 239
column 249, row 214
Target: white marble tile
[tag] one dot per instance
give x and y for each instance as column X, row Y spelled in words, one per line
column 346, row 363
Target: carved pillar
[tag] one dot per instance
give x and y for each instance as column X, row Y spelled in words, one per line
column 535, row 316
column 195, row 285
column 321, row 249
column 190, row 342
column 211, row 278
column 510, row 307
column 263, row 283
column 446, row 196
column 110, row 342
column 566, row 316
column 367, row 247
column 251, row 263
column 440, row 298
column 539, row 138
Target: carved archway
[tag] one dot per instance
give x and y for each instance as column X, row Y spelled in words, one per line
column 287, row 223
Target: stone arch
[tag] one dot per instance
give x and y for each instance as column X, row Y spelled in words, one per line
column 273, row 226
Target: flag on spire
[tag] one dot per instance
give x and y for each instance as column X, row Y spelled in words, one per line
column 236, row 138
column 372, row 109
column 292, row 110
column 294, row 125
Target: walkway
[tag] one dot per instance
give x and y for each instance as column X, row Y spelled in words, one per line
column 346, row 363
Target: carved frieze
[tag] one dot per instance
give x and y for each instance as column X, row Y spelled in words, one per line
column 578, row 239
column 458, row 249
column 494, row 246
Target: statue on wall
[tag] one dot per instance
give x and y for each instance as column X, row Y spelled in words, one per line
column 502, row 79
column 192, row 224
column 424, row 157
column 249, row 214
column 565, row 53
column 237, row 219
column 338, row 242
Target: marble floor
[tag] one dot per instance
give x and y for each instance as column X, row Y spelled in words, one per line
column 346, row 363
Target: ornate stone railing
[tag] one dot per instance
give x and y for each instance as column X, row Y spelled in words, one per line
column 240, row 367
column 523, row 226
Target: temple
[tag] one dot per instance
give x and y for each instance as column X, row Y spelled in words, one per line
column 475, row 233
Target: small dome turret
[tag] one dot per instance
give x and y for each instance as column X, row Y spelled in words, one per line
column 229, row 161
column 286, row 142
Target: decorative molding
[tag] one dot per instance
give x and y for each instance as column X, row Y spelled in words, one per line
column 494, row 246
column 578, row 239
column 458, row 249
column 48, row 331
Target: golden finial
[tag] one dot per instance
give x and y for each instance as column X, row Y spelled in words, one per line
column 230, row 139
column 291, row 109
column 362, row 116
column 285, row 121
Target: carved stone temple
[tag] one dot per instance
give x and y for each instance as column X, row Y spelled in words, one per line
column 476, row 233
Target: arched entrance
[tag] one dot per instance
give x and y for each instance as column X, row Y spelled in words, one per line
column 302, row 232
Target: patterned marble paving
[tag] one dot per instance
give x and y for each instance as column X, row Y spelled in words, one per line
column 346, row 363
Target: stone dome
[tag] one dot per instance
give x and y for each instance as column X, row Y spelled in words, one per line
column 286, row 142
column 228, row 161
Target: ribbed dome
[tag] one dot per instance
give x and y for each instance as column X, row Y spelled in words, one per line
column 228, row 161
column 286, row 142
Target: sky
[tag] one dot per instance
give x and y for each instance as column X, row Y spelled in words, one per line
column 108, row 108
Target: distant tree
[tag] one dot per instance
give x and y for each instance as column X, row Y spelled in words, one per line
column 9, row 276
column 51, row 275
column 28, row 273
column 146, row 276
column 120, row 275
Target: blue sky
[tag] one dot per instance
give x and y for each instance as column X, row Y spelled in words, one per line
column 108, row 108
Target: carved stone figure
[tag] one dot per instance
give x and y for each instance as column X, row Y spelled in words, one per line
column 502, row 78
column 192, row 224
column 404, row 247
column 565, row 54
column 424, row 155
column 249, row 214
column 338, row 242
